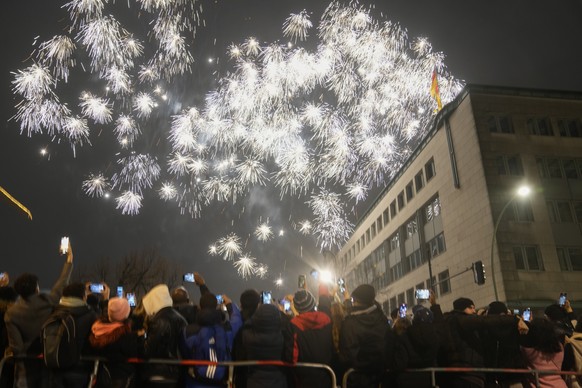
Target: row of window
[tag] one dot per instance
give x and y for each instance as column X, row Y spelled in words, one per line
column 441, row 287
column 539, row 126
column 528, row 258
column 559, row 168
column 564, row 211
column 398, row 204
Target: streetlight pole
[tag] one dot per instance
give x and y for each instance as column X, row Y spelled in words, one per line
column 523, row 191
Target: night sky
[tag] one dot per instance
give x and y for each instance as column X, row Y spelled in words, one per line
column 525, row 43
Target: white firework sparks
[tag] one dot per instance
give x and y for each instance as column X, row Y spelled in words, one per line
column 129, row 203
column 264, row 232
column 262, row 270
column 339, row 117
column 245, row 266
column 96, row 185
column 229, row 247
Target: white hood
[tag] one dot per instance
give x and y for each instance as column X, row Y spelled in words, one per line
column 158, row 298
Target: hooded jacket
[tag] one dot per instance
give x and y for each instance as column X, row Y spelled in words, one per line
column 208, row 327
column 263, row 340
column 312, row 342
column 366, row 343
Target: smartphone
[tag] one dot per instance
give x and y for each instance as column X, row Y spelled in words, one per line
column 219, row 299
column 423, row 294
column 516, row 312
column 2, row 274
column 527, row 314
column 266, row 297
column 119, row 292
column 341, row 283
column 131, row 299
column 64, row 245
column 189, row 277
column 562, row 300
column 402, row 310
column 301, row 281
column 286, row 305
column 96, row 288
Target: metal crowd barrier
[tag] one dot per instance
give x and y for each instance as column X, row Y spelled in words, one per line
column 231, row 365
column 433, row 371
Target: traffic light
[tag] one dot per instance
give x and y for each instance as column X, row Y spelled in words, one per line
column 479, row 272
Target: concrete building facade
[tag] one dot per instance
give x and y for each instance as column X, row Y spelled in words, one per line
column 438, row 214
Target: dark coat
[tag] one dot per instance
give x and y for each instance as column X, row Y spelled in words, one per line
column 366, row 343
column 164, row 331
column 263, row 340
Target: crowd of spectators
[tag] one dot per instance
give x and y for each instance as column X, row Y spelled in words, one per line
column 339, row 329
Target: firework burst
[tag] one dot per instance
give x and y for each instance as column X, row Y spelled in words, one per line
column 340, row 117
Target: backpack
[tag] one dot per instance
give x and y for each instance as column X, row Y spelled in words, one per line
column 213, row 346
column 59, row 340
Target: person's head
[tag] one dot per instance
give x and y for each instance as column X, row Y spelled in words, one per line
column 118, row 309
column 75, row 290
column 249, row 301
column 208, row 301
column 364, row 295
column 401, row 325
column 156, row 299
column 544, row 336
column 421, row 314
column 464, row 305
column 497, row 308
column 555, row 313
column 26, row 285
column 180, row 296
column 303, row 301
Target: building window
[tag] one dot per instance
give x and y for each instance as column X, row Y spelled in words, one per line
column 400, row 299
column 414, row 260
column 540, row 126
column 400, row 200
column 386, row 217
column 500, row 124
column 570, row 127
column 444, row 282
column 411, row 228
column 410, row 297
column 436, row 246
column 431, row 284
column 429, row 169
column 363, row 241
column 393, row 304
column 570, row 169
column 394, row 242
column 554, row 169
column 393, row 209
column 527, row 258
column 419, row 181
column 409, row 192
column 560, row 211
column 379, row 224
column 419, row 286
column 570, row 259
column 522, row 211
column 433, row 209
column 509, row 165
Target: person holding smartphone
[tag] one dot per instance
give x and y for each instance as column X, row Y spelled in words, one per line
column 25, row 318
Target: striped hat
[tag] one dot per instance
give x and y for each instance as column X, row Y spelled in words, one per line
column 303, row 301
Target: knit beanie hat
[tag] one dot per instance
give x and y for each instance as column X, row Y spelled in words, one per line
column 157, row 299
column 303, row 301
column 364, row 294
column 422, row 315
column 462, row 303
column 497, row 308
column 118, row 309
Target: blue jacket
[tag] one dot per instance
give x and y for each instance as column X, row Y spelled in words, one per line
column 210, row 339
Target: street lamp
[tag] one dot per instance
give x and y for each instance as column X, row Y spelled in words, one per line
column 521, row 192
